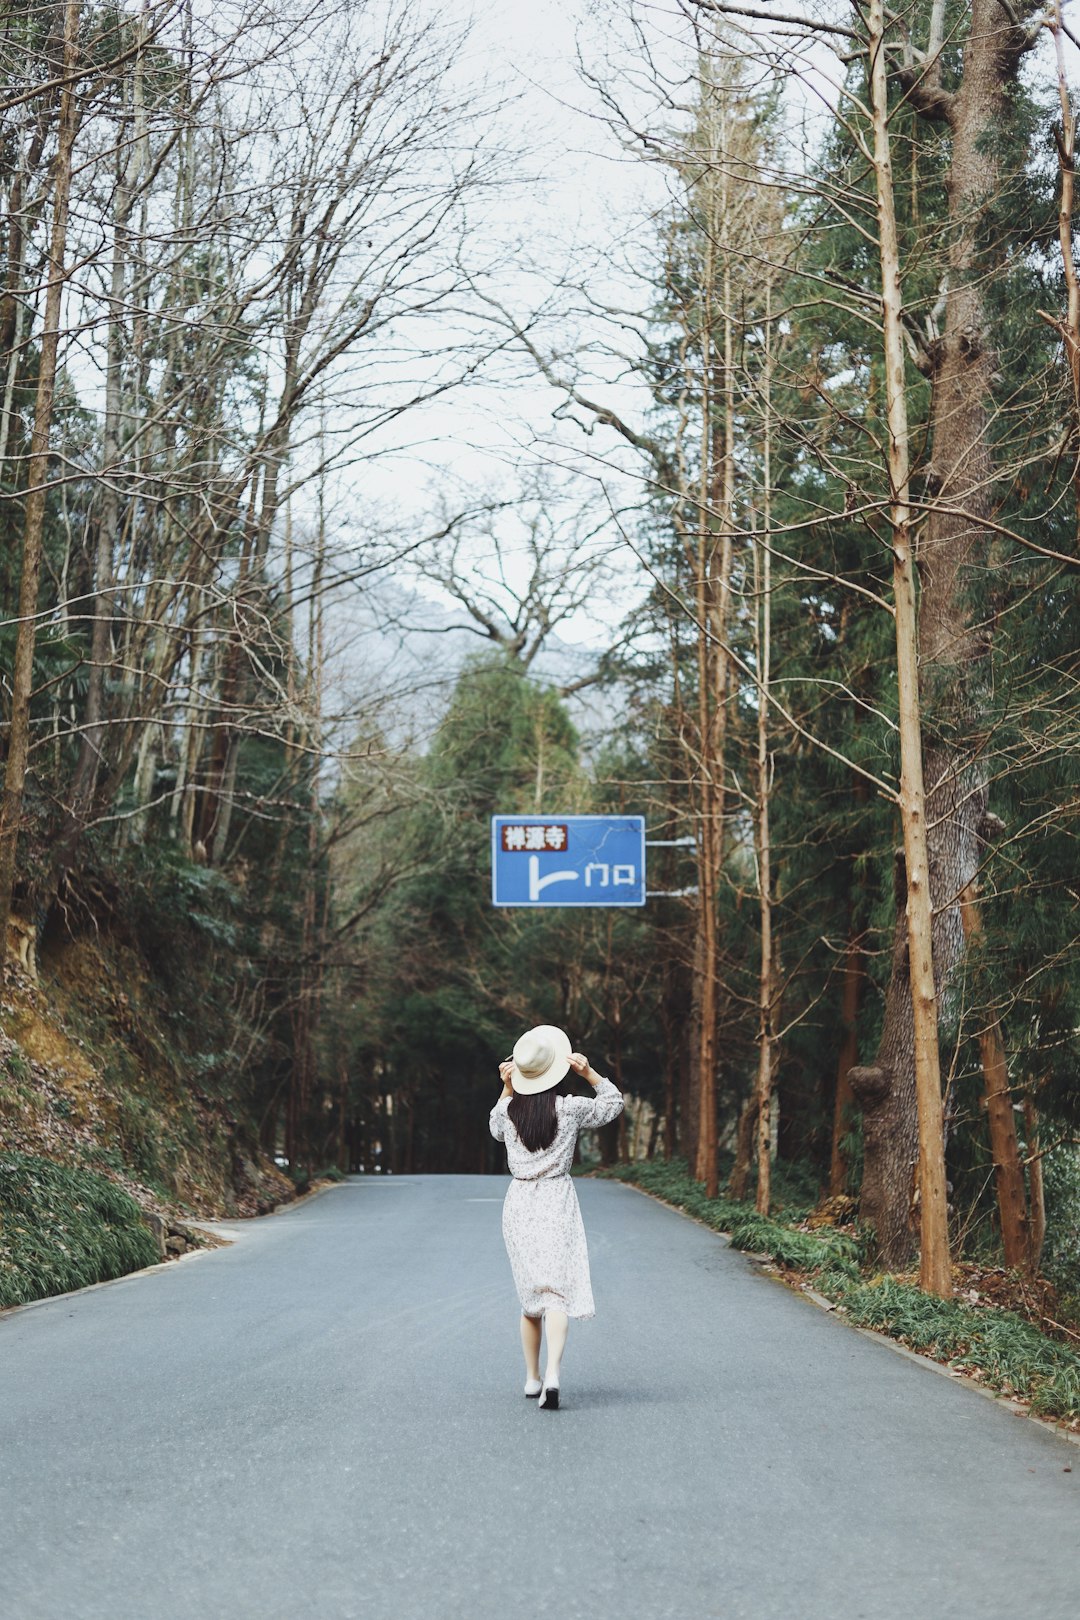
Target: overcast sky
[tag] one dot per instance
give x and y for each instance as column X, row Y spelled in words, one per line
column 577, row 195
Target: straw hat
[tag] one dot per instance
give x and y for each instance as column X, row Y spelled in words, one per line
column 541, row 1059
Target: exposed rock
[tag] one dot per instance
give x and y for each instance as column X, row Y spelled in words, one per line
column 157, row 1228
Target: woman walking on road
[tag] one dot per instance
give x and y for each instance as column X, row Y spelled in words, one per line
column 539, row 1121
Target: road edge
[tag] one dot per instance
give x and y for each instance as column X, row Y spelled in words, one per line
column 9, row 1311
column 772, row 1273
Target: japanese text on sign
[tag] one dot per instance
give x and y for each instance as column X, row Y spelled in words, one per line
column 534, row 836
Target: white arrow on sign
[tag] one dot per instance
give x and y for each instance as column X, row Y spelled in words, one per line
column 537, row 883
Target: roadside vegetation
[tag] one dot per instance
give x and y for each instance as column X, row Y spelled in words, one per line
column 63, row 1228
column 1017, row 1352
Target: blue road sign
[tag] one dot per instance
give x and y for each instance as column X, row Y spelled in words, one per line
column 568, row 860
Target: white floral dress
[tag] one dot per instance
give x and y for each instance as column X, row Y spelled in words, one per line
column 542, row 1226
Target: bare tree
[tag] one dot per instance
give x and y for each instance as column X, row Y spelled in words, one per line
column 523, row 567
column 18, row 746
column 277, row 217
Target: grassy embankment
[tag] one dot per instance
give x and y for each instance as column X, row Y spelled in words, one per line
column 62, row 1228
column 997, row 1347
column 113, row 1125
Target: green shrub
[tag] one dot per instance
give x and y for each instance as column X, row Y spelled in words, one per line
column 1061, row 1254
column 17, row 1065
column 669, row 1180
column 62, row 1228
column 824, row 1249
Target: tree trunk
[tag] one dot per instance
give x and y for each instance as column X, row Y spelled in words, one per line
column 763, row 1090
column 913, row 982
column 708, row 541
column 610, row 1138
column 252, row 614
column 20, row 217
column 183, row 806
column 22, row 677
column 685, row 1101
column 1035, row 1183
column 705, row 951
column 1069, row 324
column 939, row 654
column 92, row 735
column 309, row 988
column 886, row 1158
column 672, row 1054
column 851, row 988
column 1008, row 1170
column 226, row 799
column 714, row 557
column 670, row 1123
column 766, row 1033
column 11, row 336
column 744, row 1149
column 219, row 779
column 705, row 1160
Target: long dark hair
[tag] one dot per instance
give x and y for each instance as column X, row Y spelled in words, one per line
column 535, row 1118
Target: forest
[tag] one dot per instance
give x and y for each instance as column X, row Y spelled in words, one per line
column 778, row 549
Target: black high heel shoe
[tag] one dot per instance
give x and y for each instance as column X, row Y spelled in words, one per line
column 549, row 1398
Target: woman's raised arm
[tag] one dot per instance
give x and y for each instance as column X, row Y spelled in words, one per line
column 605, row 1106
column 497, row 1117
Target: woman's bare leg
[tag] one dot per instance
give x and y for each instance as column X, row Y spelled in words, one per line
column 531, row 1329
column 558, row 1325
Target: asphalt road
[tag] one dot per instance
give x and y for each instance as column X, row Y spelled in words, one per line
column 326, row 1420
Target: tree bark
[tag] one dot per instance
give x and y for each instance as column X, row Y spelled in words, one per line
column 1008, row 1170
column 92, row 733
column 918, row 964
column 1069, row 324
column 744, row 1148
column 766, row 1033
column 885, row 1160
column 22, row 679
column 851, row 987
column 20, row 225
column 714, row 557
column 673, row 1050
column 705, row 1158
column 1035, row 1182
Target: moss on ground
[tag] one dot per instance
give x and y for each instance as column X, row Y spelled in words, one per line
column 995, row 1346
